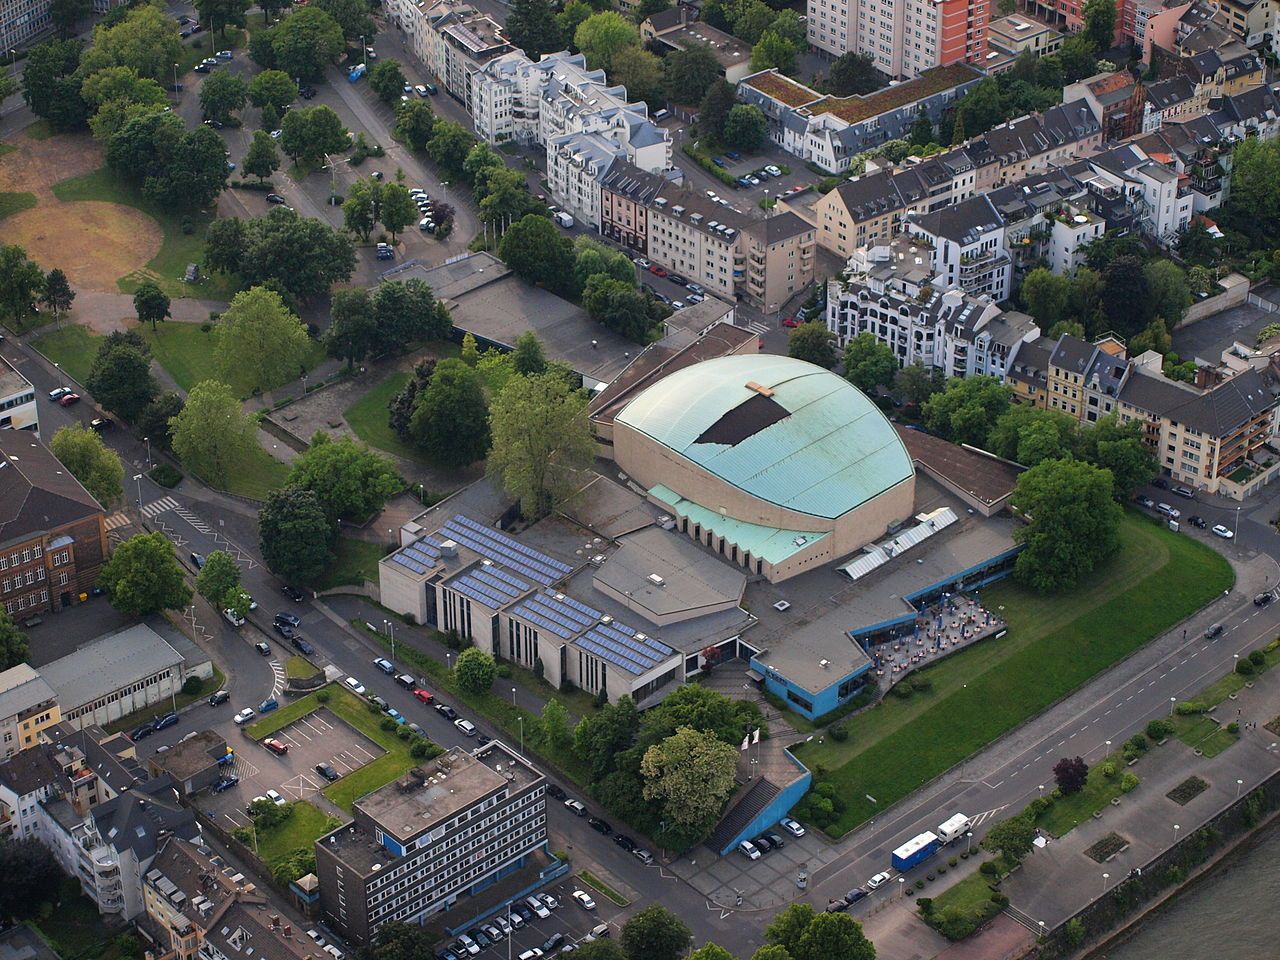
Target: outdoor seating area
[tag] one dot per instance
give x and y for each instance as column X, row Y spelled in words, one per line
column 951, row 624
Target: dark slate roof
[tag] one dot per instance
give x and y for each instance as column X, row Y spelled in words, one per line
column 1227, row 406
column 1168, row 93
column 114, row 772
column 1072, row 353
column 32, row 769
column 962, row 222
column 135, row 819
column 1155, row 395
column 37, row 493
column 628, row 180
column 667, row 19
column 782, row 226
column 1030, row 362
column 871, row 195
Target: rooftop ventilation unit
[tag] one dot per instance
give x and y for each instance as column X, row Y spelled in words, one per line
column 656, row 580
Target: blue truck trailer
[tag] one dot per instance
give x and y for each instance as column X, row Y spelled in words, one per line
column 915, row 851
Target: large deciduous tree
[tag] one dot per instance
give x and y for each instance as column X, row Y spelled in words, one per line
column 262, row 158
column 1121, row 449
column 1011, row 838
column 90, row 461
column 272, row 88
column 855, row 73
column 744, row 127
column 1100, row 23
column 386, row 80
column 14, row 648
column 352, row 332
column 351, row 481
column 260, row 344
column 295, row 535
column 967, row 409
column 532, row 26
column 21, row 281
column 306, row 42
column 222, row 94
column 212, row 434
column 1073, row 522
column 450, row 417
column 218, row 577
column 142, row 576
column 352, row 16
column 541, row 440
column 303, row 255
column 150, row 304
column 475, row 671
column 120, row 379
column 32, row 861
column 51, row 86
column 814, row 343
column 868, row 363
column 655, row 933
column 690, row 775
column 601, row 36
column 1071, row 774
column 689, row 73
column 537, row 253
column 153, row 422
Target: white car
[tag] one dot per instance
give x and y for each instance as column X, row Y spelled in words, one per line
column 244, row 716
column 468, row 945
column 420, row 90
column 576, row 807
column 1224, row 532
column 792, row 827
column 551, row 902
column 355, row 685
column 538, row 907
column 641, row 262
column 879, row 879
column 584, row 901
column 533, row 954
column 275, row 798
column 277, row 134
column 749, row 850
column 773, row 171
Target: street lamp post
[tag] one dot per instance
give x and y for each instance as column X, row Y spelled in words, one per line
column 137, row 477
column 520, row 717
column 147, row 441
column 968, row 846
column 513, row 696
column 1172, row 701
column 1239, row 785
column 448, row 659
column 422, row 494
column 1105, row 878
column 391, row 631
column 1040, row 787
column 175, row 78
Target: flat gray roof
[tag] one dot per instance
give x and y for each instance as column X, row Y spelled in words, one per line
column 609, row 508
column 11, row 381
column 693, row 580
column 826, row 605
column 21, row 688
column 106, row 665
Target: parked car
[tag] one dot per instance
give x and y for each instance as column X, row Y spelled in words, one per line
column 554, row 792
column 748, row 850
column 224, row 783
column 878, row 880
column 762, row 844
column 854, row 895
column 837, row 905
column 293, row 593
column 776, row 840
column 446, row 711
column 101, row 423
column 576, row 807
column 384, row 665
column 378, row 702
column 327, row 772
column 657, row 271
column 354, row 685
column 1160, row 483
column 676, row 278
column 790, row 322
column 302, row 646
column 1226, row 533
column 600, row 826
column 792, row 827
column 266, row 706
column 773, row 170
column 166, row 720
column 538, row 907
column 278, row 747
column 395, row 715
column 625, row 842
column 263, row 648
column 1144, row 501
column 584, row 900
column 219, row 697
column 1262, row 599
column 275, row 198
column 551, row 902
column 143, row 731
column 57, row 393
column 1173, row 513
column 1184, row 491
column 1197, row 521
column 552, row 942
column 467, row 728
column 423, row 696
column 275, row 798
column 285, row 631
column 644, row 856
column 641, row 262
column 244, row 716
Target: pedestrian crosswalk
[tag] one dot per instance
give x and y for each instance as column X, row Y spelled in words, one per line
column 756, row 326
column 194, row 520
column 156, row 507
column 116, row 520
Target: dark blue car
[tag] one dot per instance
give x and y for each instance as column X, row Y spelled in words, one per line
column 167, row 720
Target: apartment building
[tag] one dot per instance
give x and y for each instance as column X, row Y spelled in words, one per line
column 831, row 131
column 18, row 410
column 28, row 706
column 699, row 239
column 453, row 39
column 966, row 247
column 1115, row 98
column 1253, row 21
column 675, row 29
column 1129, row 188
column 904, row 39
column 1019, row 32
column 1168, row 101
column 53, row 540
column 443, row 831
column 780, row 254
column 887, row 291
column 22, row 22
column 37, row 774
column 200, row 907
column 625, row 194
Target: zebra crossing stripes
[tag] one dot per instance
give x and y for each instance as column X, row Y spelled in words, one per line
column 758, row 328
column 194, row 520
column 115, row 521
column 156, row 507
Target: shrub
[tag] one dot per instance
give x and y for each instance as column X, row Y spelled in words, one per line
column 404, row 733
column 1189, row 708
column 1159, row 729
column 418, row 749
column 941, row 870
column 206, row 327
column 954, row 861
column 919, row 884
column 1245, row 668
column 372, row 708
column 1138, row 742
column 387, row 724
column 921, row 684
column 930, row 877
column 192, row 686
column 839, row 733
column 999, row 899
column 926, row 905
column 1128, row 783
column 1074, row 932
column 504, row 671
column 1233, row 728
column 902, row 691
column 1108, row 769
column 166, row 475
column 989, row 868
column 1258, row 658
column 323, row 696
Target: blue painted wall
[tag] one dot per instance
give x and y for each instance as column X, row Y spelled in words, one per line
column 824, row 701
column 777, row 809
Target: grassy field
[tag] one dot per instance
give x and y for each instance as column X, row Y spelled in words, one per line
column 257, row 474
column 345, row 704
column 11, row 203
column 1055, row 643
column 1069, row 812
column 356, row 561
column 299, row 666
column 72, row 347
column 76, row 930
column 167, row 267
column 968, row 896
column 301, row 830
column 184, row 350
column 368, row 417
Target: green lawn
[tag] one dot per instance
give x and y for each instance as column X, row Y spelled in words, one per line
column 345, row 704
column 176, row 251
column 356, row 561
column 1069, row 812
column 186, row 351
column 72, row 347
column 368, row 417
column 301, row 830
column 968, row 896
column 11, row 203
column 256, row 474
column 75, row 928
column 1203, row 733
column 299, row 666
column 1055, row 643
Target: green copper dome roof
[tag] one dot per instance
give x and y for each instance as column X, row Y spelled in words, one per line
column 782, row 430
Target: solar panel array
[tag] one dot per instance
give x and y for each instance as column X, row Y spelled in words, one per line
column 624, row 647
column 489, row 585
column 419, row 556
column 525, row 561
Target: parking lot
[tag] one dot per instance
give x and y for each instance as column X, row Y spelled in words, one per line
column 569, row 920
column 319, row 737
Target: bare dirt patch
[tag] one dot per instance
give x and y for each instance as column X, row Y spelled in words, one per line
column 94, row 243
column 36, row 165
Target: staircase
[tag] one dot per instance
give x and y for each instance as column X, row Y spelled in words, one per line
column 745, row 809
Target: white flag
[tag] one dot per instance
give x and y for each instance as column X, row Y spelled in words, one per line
column 755, row 737
column 745, row 740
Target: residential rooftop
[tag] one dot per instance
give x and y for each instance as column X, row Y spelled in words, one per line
column 22, row 688
column 108, row 664
column 37, row 493
column 858, row 108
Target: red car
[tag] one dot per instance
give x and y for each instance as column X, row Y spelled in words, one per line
column 657, row 271
column 275, row 746
column 67, row 399
column 790, row 322
column 423, row 696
